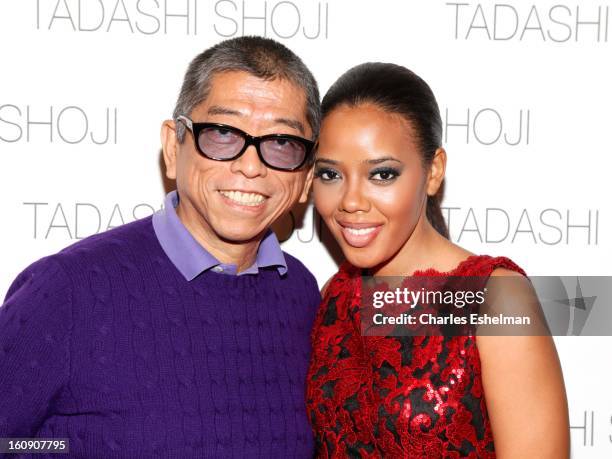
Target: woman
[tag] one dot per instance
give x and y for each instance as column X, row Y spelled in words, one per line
column 379, row 176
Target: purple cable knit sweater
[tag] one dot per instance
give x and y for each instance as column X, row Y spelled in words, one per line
column 107, row 344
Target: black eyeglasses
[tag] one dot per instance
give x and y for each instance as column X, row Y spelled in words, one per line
column 224, row 143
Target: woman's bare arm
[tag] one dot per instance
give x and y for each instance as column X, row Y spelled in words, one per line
column 525, row 394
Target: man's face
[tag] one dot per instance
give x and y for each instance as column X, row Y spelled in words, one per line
column 236, row 201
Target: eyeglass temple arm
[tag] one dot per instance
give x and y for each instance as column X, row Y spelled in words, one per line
column 185, row 120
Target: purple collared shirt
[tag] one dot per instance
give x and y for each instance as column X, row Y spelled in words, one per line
column 191, row 259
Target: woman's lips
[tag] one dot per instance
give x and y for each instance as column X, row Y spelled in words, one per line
column 359, row 234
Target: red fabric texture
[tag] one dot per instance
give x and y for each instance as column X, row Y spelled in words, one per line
column 406, row 396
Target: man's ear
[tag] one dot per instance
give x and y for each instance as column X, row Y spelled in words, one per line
column 307, row 184
column 436, row 172
column 169, row 147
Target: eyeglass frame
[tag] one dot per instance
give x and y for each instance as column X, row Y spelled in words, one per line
column 249, row 140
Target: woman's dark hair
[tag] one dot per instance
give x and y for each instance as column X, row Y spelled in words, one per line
column 396, row 89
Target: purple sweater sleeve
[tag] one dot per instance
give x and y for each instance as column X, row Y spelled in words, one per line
column 35, row 324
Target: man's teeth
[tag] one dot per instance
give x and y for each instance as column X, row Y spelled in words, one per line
column 360, row 231
column 246, row 199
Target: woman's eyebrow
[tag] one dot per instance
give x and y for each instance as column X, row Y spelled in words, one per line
column 381, row 160
column 327, row 161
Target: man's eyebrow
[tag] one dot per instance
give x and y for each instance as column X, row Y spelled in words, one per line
column 219, row 110
column 292, row 123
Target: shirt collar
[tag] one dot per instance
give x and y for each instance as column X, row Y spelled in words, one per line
column 192, row 259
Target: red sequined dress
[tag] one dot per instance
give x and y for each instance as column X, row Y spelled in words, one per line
column 408, row 396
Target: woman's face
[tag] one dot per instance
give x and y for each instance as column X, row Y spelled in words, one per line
column 370, row 184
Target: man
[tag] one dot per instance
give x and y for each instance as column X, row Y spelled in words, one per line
column 185, row 334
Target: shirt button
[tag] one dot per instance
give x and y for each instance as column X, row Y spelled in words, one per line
column 218, row 269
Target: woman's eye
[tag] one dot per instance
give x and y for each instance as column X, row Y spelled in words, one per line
column 326, row 175
column 384, row 175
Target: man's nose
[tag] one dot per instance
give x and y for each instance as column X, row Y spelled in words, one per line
column 249, row 164
column 353, row 198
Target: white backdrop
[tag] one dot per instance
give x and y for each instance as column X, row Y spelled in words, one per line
column 523, row 87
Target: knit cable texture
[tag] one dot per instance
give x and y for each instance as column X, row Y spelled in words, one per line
column 106, row 344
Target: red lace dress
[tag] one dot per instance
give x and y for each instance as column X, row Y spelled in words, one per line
column 414, row 397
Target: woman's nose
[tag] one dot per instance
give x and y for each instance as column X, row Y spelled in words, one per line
column 354, row 198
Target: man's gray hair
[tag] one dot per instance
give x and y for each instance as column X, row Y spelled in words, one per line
column 261, row 57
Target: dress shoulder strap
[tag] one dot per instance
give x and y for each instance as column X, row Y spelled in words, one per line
column 484, row 265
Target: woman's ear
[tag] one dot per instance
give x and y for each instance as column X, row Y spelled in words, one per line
column 437, row 170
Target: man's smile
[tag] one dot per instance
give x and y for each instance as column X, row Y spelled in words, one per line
column 244, row 198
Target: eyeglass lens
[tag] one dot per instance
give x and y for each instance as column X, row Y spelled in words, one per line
column 223, row 143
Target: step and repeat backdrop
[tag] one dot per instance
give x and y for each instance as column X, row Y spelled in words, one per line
column 524, row 89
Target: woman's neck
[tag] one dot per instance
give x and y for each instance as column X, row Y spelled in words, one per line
column 424, row 249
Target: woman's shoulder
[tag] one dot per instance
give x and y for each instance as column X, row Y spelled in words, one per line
column 450, row 259
column 469, row 265
column 486, row 265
